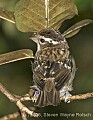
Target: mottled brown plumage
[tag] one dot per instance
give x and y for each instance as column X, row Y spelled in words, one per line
column 52, row 68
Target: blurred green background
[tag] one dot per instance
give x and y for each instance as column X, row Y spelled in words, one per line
column 17, row 76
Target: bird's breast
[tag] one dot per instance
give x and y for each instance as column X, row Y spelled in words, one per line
column 56, row 54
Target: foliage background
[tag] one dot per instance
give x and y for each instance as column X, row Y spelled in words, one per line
column 17, row 76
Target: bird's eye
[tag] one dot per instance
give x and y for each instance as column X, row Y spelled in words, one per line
column 42, row 40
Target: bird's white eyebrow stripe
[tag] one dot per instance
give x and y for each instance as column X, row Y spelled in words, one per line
column 49, row 40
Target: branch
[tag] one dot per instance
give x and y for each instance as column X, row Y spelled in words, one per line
column 24, row 116
column 29, row 97
column 80, row 96
column 17, row 100
column 11, row 116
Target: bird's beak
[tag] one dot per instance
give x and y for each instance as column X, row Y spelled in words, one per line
column 34, row 38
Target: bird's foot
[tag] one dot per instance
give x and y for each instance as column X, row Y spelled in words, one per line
column 65, row 95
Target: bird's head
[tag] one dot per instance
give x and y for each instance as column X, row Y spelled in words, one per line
column 48, row 38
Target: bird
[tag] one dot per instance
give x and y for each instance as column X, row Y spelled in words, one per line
column 53, row 68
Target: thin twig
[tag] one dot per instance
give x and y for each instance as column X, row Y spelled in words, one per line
column 79, row 97
column 29, row 97
column 24, row 115
column 16, row 99
column 11, row 116
column 11, row 97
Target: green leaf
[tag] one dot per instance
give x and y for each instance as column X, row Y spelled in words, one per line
column 76, row 28
column 30, row 15
column 16, row 56
column 7, row 15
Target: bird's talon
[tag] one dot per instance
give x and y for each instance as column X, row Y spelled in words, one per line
column 67, row 95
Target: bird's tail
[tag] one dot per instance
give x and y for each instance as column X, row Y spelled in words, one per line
column 46, row 98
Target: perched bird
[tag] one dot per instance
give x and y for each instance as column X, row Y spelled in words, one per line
column 53, row 68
